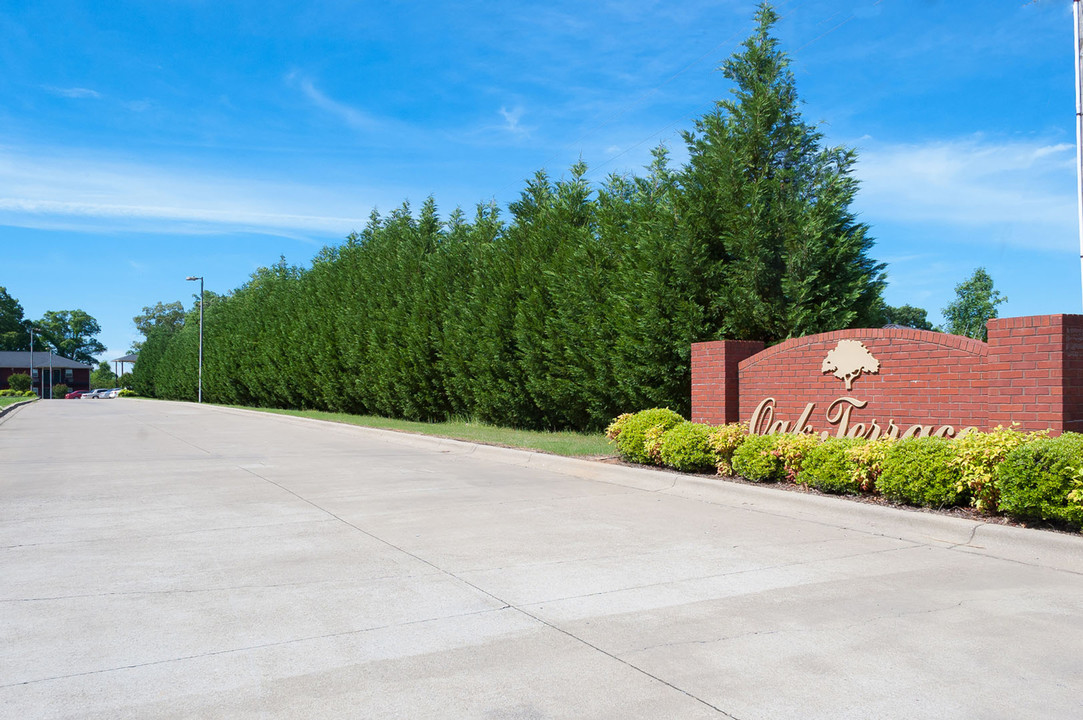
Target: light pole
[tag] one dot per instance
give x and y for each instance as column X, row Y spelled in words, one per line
column 193, row 278
column 1078, row 17
column 31, row 357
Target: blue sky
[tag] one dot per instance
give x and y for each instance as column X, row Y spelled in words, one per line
column 141, row 142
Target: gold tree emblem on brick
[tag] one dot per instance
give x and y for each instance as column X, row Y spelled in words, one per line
column 849, row 360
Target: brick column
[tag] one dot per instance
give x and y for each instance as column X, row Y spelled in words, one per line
column 1035, row 372
column 715, row 381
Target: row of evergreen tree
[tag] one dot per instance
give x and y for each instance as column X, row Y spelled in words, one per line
column 580, row 304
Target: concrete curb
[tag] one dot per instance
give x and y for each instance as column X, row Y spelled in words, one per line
column 14, row 406
column 1062, row 551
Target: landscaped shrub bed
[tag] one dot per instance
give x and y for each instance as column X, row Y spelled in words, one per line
column 920, row 471
column 631, row 432
column 1043, row 480
column 757, row 459
column 829, row 468
column 686, row 447
column 1026, row 476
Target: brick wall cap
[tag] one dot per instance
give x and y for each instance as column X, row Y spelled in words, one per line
column 1055, row 320
column 957, row 342
column 705, row 344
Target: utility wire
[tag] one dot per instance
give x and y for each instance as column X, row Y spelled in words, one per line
column 821, row 37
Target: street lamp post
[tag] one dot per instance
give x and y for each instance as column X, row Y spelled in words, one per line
column 193, row 278
column 39, row 331
column 31, row 357
column 1078, row 17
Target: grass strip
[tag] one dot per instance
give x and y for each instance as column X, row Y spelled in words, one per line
column 567, row 443
column 5, row 401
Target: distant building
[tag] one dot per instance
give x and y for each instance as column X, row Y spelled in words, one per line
column 75, row 375
column 119, row 363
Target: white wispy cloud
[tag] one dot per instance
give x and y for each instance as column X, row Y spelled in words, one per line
column 75, row 92
column 355, row 118
column 511, row 120
column 138, row 105
column 1025, row 188
column 65, row 191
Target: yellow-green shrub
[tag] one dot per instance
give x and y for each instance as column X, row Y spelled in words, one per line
column 1042, row 480
column 724, row 441
column 633, row 431
column 978, row 454
column 866, row 462
column 757, row 459
column 686, row 447
column 919, row 471
column 613, row 431
column 791, row 450
column 652, row 443
column 829, row 468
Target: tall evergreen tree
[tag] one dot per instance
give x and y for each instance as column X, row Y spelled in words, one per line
column 655, row 308
column 583, row 304
column 153, row 349
column 474, row 354
column 770, row 208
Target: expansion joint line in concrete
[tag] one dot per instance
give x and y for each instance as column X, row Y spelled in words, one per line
column 503, row 603
column 230, row 651
column 189, row 443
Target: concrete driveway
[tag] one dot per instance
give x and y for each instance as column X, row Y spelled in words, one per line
column 165, row 560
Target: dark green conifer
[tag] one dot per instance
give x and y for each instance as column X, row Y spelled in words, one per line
column 770, row 208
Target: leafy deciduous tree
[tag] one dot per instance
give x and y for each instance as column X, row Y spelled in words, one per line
column 103, row 376
column 71, row 333
column 169, row 316
column 908, row 316
column 975, row 304
column 13, row 330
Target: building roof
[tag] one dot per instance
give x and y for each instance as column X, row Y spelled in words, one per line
column 127, row 358
column 20, row 359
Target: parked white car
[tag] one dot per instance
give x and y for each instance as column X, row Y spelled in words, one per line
column 115, row 392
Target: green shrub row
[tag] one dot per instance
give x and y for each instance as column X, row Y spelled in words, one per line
column 582, row 298
column 7, row 392
column 1027, row 476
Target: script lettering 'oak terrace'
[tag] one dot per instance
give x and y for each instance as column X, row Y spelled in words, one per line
column 897, row 381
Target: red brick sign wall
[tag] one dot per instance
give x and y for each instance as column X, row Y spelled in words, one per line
column 897, row 381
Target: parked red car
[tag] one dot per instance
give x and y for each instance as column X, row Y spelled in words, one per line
column 74, row 395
